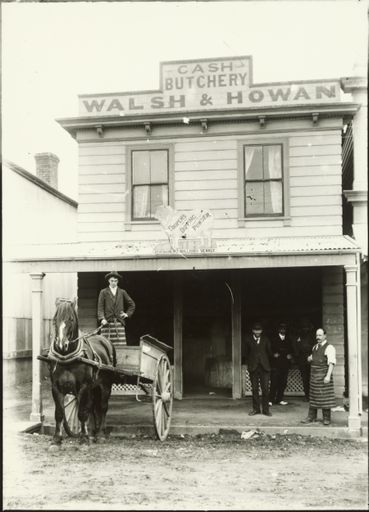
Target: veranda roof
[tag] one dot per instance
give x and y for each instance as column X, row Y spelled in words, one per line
column 226, row 253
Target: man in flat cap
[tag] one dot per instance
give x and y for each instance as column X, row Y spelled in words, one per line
column 258, row 352
column 113, row 307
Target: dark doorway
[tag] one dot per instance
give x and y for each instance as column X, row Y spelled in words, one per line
column 153, row 295
column 281, row 295
column 207, row 334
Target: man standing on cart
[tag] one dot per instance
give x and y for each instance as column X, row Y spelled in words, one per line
column 113, row 307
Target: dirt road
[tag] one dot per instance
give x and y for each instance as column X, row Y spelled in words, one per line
column 211, row 472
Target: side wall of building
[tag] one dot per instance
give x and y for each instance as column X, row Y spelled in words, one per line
column 31, row 215
column 17, row 319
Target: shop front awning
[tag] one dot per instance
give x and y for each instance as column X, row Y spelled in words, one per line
column 159, row 255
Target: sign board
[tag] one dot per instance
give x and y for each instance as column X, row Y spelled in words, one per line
column 186, row 231
column 209, row 84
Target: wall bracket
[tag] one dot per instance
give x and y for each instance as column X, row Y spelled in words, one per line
column 148, row 128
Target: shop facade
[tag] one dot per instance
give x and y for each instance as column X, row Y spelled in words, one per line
column 220, row 202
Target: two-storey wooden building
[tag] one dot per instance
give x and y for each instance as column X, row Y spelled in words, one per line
column 220, row 202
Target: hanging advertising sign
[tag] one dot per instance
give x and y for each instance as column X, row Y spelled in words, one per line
column 209, row 84
column 186, row 231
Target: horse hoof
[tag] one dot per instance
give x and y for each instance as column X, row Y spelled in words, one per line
column 84, row 441
column 54, row 447
column 100, row 440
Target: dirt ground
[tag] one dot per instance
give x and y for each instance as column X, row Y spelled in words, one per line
column 207, row 472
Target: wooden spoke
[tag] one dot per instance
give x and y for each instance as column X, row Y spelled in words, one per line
column 159, row 382
column 162, row 398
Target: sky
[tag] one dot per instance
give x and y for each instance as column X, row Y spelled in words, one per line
column 51, row 52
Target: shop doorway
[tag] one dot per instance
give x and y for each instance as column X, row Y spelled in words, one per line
column 207, row 343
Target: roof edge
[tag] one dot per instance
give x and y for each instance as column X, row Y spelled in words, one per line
column 39, row 182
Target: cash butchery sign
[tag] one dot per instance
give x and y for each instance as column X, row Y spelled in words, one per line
column 209, row 84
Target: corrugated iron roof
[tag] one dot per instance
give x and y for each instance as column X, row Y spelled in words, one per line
column 132, row 249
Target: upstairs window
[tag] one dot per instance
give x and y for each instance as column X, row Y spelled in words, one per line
column 263, row 180
column 149, row 181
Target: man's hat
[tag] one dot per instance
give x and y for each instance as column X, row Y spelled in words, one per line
column 113, row 274
column 282, row 325
column 257, row 325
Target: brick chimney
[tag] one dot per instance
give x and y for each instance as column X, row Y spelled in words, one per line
column 47, row 168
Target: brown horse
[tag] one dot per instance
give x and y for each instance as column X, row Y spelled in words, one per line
column 89, row 384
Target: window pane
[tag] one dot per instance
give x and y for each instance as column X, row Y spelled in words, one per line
column 141, row 167
column 141, row 206
column 159, row 197
column 254, row 194
column 273, row 162
column 273, row 197
column 159, row 166
column 253, row 162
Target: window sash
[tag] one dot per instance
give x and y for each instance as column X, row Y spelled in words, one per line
column 267, row 179
column 145, row 210
column 142, row 207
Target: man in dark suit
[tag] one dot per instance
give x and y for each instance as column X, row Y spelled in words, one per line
column 258, row 352
column 281, row 360
column 113, row 307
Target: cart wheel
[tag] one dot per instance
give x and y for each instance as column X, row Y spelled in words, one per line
column 162, row 398
column 71, row 422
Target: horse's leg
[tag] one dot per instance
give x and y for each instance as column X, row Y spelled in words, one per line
column 101, row 405
column 97, row 410
column 59, row 414
column 104, row 405
column 85, row 404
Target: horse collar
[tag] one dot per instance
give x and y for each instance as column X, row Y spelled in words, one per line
column 77, row 352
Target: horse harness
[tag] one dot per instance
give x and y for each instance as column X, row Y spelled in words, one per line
column 84, row 352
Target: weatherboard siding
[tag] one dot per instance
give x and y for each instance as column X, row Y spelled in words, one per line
column 205, row 177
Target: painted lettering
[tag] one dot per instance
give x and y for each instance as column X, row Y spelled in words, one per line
column 213, row 67
column 279, row 94
column 94, row 105
column 115, row 104
column 200, row 82
column 133, row 106
column 231, row 97
column 168, row 84
column 212, row 80
column 233, row 79
column 330, row 93
column 228, row 65
column 243, row 78
column 197, row 69
column 181, row 100
column 157, row 102
column 256, row 96
column 221, row 80
column 190, row 80
column 179, row 81
column 301, row 93
column 182, row 69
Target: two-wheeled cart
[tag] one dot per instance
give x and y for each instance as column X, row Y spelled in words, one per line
column 149, row 363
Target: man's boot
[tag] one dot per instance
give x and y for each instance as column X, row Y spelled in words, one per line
column 326, row 416
column 311, row 417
